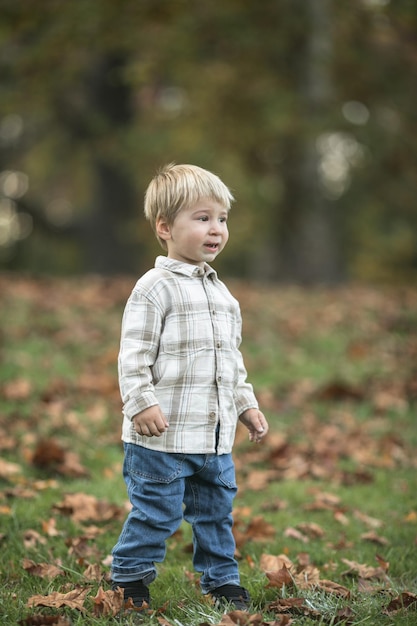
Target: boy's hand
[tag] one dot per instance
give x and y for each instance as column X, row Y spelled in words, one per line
column 255, row 422
column 151, row 422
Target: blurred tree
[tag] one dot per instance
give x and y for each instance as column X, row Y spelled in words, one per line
column 307, row 110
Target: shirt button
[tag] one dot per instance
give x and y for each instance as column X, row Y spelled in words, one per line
column 212, row 415
column 219, row 344
column 219, row 379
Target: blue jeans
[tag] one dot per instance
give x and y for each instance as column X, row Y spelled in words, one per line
column 163, row 489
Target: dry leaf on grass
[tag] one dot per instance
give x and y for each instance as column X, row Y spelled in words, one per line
column 108, row 602
column 73, row 599
column 43, row 570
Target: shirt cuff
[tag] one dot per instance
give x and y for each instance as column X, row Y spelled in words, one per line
column 136, row 405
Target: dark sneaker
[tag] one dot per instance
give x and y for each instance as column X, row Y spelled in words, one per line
column 235, row 595
column 136, row 591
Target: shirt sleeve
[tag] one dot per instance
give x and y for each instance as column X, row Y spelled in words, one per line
column 244, row 394
column 139, row 345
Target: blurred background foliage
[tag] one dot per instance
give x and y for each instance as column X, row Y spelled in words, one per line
column 305, row 108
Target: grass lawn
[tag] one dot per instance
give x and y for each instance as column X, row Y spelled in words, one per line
column 326, row 514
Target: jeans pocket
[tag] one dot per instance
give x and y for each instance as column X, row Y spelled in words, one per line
column 227, row 474
column 161, row 467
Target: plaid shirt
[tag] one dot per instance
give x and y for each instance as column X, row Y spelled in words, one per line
column 180, row 340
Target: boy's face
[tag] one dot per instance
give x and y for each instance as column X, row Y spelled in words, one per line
column 199, row 233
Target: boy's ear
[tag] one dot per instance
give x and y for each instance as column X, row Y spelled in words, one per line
column 163, row 229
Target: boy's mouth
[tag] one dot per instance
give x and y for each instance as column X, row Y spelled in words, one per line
column 212, row 246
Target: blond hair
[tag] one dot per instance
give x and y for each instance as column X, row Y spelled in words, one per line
column 175, row 187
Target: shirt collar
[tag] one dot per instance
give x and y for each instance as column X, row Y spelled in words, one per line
column 186, row 269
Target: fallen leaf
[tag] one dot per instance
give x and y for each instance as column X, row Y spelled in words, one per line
column 73, row 599
column 308, row 577
column 260, row 530
column 31, row 538
column 334, row 588
column 272, row 563
column 8, row 469
column 293, row 605
column 344, row 616
column 17, row 389
column 374, row 538
column 312, row 530
column 411, row 517
column 49, row 528
column 371, row 522
column 405, row 600
column 81, row 548
column 293, row 533
column 43, row 570
column 280, row 578
column 48, row 453
column 341, row 518
column 93, row 572
column 108, row 602
column 82, row 507
column 364, row 571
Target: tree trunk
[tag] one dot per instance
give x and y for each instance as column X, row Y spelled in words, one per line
column 109, row 241
column 308, row 250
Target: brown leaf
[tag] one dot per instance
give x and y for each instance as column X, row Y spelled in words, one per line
column 293, row 605
column 365, row 571
column 108, row 602
column 272, row 563
column 31, row 538
column 341, row 518
column 48, row 453
column 43, row 570
column 163, row 621
column 366, row 586
column 93, row 572
column 82, row 507
column 334, row 588
column 274, row 505
column 8, row 469
column 308, row 577
column 293, row 533
column 257, row 480
column 312, row 530
column 339, row 391
column 411, row 517
column 371, row 522
column 303, row 559
column 17, row 389
column 384, row 565
column 243, row 618
column 81, row 548
column 406, row 600
column 73, row 599
column 283, row 620
column 323, row 501
column 71, row 466
column 345, row 616
column 260, row 530
column 374, row 538
column 49, row 528
column 285, row 604
column 280, row 578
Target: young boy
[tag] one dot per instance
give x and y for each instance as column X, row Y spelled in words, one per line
column 183, row 385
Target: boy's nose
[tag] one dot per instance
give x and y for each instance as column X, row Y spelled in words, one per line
column 215, row 227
